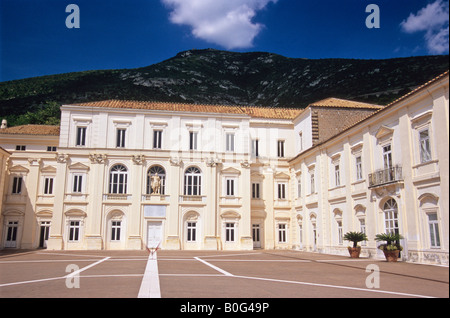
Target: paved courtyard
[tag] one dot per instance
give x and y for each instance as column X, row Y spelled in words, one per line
column 213, row 274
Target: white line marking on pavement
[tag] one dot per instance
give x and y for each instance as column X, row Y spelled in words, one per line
column 214, row 267
column 226, row 255
column 150, row 283
column 55, row 278
column 49, row 261
column 335, row 286
column 31, row 281
column 75, row 273
column 69, row 254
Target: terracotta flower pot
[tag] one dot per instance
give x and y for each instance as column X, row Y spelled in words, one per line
column 354, row 251
column 391, row 256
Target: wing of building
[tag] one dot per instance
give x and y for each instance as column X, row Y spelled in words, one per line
column 131, row 174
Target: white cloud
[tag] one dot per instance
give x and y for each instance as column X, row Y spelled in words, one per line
column 227, row 23
column 433, row 20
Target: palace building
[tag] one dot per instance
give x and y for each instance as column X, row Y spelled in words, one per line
column 124, row 175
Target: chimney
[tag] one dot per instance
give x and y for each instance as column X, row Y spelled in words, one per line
column 4, row 124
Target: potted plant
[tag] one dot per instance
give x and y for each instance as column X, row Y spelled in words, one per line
column 392, row 247
column 355, row 237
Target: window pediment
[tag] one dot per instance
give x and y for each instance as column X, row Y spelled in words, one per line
column 48, row 169
column 282, row 175
column 78, row 166
column 19, row 169
column 231, row 171
column 384, row 132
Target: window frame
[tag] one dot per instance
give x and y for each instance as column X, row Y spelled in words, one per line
column 17, row 185
column 281, row 148
column 434, row 230
column 80, row 136
column 48, row 185
column 230, row 232
column 191, row 175
column 428, row 156
column 191, row 231
column 230, row 141
column 157, row 138
column 282, row 230
column 121, row 134
column 118, row 180
column 74, row 231
column 256, row 190
column 281, row 190
column 116, row 230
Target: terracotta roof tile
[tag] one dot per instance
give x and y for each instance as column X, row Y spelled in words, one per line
column 39, row 130
column 253, row 111
column 337, row 102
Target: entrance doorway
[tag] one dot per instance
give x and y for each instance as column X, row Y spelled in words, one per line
column 256, row 233
column 154, row 233
column 44, row 232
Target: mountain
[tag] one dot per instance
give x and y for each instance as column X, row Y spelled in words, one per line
column 220, row 77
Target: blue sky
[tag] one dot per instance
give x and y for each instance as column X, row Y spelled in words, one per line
column 116, row 34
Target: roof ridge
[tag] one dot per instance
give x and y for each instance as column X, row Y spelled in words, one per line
column 187, row 104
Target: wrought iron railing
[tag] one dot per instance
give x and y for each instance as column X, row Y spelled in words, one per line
column 390, row 175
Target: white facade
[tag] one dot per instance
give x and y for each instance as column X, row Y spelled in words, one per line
column 387, row 173
column 232, row 178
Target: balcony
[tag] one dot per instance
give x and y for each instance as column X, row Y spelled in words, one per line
column 385, row 176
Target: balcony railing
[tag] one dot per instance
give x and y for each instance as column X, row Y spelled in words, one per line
column 192, row 198
column 385, row 176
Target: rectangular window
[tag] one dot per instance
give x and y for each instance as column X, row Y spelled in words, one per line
column 282, row 233
column 157, row 139
column 281, row 191
column 191, row 232
column 387, row 157
column 77, row 183
column 313, row 181
column 193, row 137
column 433, row 224
column 337, row 175
column 256, row 191
column 391, row 221
column 51, row 148
column 280, row 152
column 120, row 141
column 362, row 225
column 301, row 140
column 81, row 136
column 299, row 187
column 425, row 149
column 192, row 185
column 230, row 142
column 115, row 230
column 340, row 232
column 358, row 168
column 74, row 231
column 21, row 148
column 255, row 148
column 230, row 187
column 229, row 232
column 48, row 186
column 17, row 185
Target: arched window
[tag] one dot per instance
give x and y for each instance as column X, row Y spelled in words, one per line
column 118, row 178
column 192, row 181
column 153, row 174
column 390, row 210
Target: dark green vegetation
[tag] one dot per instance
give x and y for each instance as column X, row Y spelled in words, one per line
column 220, row 77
